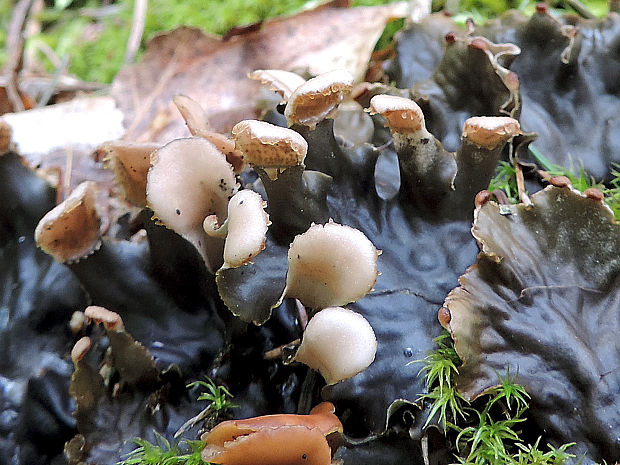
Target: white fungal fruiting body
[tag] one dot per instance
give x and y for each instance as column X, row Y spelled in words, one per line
column 247, row 228
column 318, row 98
column 490, row 131
column 71, row 230
column 401, row 114
column 339, row 343
column 194, row 115
column 269, row 146
column 283, row 82
column 330, row 265
column 190, row 179
column 130, row 163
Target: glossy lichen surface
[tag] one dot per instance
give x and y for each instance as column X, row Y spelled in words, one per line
column 542, row 302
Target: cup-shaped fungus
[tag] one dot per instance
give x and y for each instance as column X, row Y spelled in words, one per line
column 268, row 146
column 318, row 98
column 189, row 180
column 283, row 82
column 130, row 164
column 71, row 230
column 330, row 265
column 284, row 439
column 198, row 124
column 339, row 343
column 490, row 131
column 245, row 228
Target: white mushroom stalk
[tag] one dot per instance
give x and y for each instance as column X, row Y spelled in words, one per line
column 330, row 265
column 71, row 230
column 189, row 180
column 245, row 229
column 339, row 343
column 270, row 147
column 318, row 98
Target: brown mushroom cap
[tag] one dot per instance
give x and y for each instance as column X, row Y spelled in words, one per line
column 71, row 230
column 268, row 146
column 339, row 343
column 401, row 114
column 130, row 163
column 246, row 228
column 318, row 98
column 189, row 180
column 283, row 82
column 490, row 131
column 330, row 265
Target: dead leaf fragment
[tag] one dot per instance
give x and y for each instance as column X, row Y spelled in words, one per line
column 214, row 72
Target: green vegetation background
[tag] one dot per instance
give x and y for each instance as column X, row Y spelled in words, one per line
column 92, row 34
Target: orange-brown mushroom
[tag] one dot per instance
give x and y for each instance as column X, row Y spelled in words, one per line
column 285, row 439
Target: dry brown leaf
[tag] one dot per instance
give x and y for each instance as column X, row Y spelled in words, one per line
column 213, row 71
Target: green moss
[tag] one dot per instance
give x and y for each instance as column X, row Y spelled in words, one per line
column 489, row 434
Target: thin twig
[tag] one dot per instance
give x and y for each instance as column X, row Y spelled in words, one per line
column 581, row 9
column 49, row 90
column 137, row 29
column 141, row 111
column 66, row 184
column 275, row 354
column 15, row 49
column 192, row 421
column 521, row 184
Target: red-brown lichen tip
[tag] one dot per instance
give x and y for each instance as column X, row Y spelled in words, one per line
column 318, row 98
column 80, row 349
column 269, row 146
column 560, row 181
column 112, row 321
column 482, row 198
column 282, row 82
column 490, row 131
column 444, row 317
column 594, row 194
column 339, row 343
column 401, row 114
column 71, row 230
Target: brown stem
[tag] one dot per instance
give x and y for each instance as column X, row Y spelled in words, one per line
column 15, row 48
column 521, row 185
